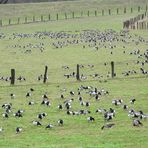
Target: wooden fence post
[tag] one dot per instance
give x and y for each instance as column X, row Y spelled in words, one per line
column 9, row 21
column 117, row 10
column 112, row 69
column 146, row 8
column 131, row 10
column 12, row 77
column 33, row 18
column 73, row 14
column 88, row 13
column 138, row 8
column 18, row 20
column 102, row 12
column 0, row 23
column 25, row 20
column 109, row 11
column 45, row 74
column 57, row 16
column 49, row 17
column 41, row 18
column 81, row 13
column 95, row 13
column 66, row 16
column 125, row 10
column 78, row 72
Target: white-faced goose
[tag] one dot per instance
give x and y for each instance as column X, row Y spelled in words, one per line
column 18, row 130
column 91, row 119
column 60, row 122
column 137, row 122
column 5, row 115
column 49, row 126
column 107, row 126
column 12, row 96
column 37, row 123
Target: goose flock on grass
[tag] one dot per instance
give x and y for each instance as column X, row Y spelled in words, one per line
column 136, row 118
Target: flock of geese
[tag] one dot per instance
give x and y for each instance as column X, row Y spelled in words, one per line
column 77, row 97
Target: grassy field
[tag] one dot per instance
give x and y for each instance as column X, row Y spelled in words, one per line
column 76, row 131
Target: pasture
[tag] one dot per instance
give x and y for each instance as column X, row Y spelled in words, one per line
column 96, row 41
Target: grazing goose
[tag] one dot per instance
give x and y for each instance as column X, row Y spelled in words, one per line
column 18, row 130
column 136, row 122
column 125, row 107
column 49, row 126
column 5, row 115
column 31, row 89
column 37, row 123
column 60, row 122
column 12, row 96
column 91, row 119
column 132, row 101
column 28, row 94
column 60, row 106
column 1, row 129
column 31, row 103
column 107, row 126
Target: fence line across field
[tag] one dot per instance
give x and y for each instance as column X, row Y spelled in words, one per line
column 72, row 15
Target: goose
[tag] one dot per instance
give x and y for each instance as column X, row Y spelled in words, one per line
column 60, row 106
column 1, row 129
column 18, row 130
column 28, row 94
column 49, row 126
column 107, row 126
column 5, row 115
column 12, row 96
column 60, row 122
column 31, row 103
column 37, row 123
column 137, row 122
column 90, row 119
column 132, row 101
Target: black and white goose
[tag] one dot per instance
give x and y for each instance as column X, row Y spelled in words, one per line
column 49, row 126
column 137, row 122
column 37, row 123
column 18, row 130
column 5, row 115
column 107, row 126
column 90, row 119
column 60, row 122
column 132, row 101
column 31, row 103
column 28, row 94
column 12, row 96
column 1, row 129
column 60, row 106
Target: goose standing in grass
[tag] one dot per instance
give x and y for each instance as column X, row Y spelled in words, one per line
column 18, row 130
column 90, row 119
column 5, row 115
column 60, row 122
column 37, row 123
column 28, row 94
column 137, row 122
column 132, row 101
column 107, row 126
column 12, row 96
column 1, row 129
column 49, row 126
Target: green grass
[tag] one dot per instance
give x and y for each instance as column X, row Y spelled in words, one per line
column 76, row 132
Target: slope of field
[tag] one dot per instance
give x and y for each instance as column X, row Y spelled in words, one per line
column 76, row 131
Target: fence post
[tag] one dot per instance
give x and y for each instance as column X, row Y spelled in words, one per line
column 146, row 8
column 138, row 8
column 25, row 20
column 18, row 20
column 0, row 23
column 45, row 74
column 57, row 16
column 78, row 72
column 88, row 13
column 112, row 69
column 81, row 13
column 117, row 10
column 41, row 18
column 49, row 17
column 12, row 77
column 33, row 18
column 109, row 11
column 102, row 12
column 9, row 21
column 66, row 16
column 73, row 14
column 95, row 13
column 131, row 10
column 125, row 10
